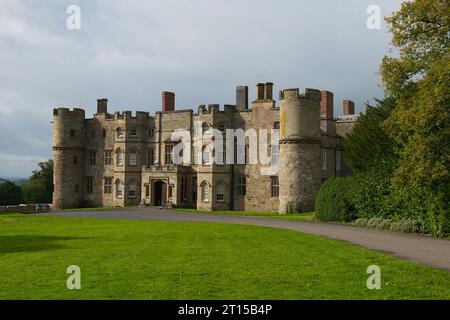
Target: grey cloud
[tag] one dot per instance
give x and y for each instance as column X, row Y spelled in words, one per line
column 129, row 51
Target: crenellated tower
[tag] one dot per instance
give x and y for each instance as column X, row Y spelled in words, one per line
column 299, row 174
column 68, row 156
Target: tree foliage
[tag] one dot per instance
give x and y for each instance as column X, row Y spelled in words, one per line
column 418, row 79
column 368, row 147
column 39, row 189
column 10, row 193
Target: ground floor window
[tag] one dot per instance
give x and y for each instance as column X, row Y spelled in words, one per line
column 275, row 191
column 119, row 189
column 194, row 189
column 108, row 185
column 184, row 190
column 132, row 190
column 242, row 185
column 205, row 192
column 89, row 184
column 220, row 194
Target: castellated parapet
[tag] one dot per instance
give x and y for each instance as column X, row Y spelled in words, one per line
column 299, row 173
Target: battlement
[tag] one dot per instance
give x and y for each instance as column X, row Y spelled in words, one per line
column 294, row 94
column 67, row 112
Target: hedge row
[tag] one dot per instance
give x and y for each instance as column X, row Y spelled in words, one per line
column 370, row 196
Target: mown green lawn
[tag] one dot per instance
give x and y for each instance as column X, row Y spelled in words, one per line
column 170, row 260
column 310, row 216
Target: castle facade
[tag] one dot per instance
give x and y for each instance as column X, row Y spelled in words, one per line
column 123, row 159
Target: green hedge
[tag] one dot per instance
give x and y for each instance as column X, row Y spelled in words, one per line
column 335, row 200
column 372, row 201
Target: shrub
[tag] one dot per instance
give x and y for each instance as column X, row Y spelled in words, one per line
column 334, row 201
column 362, row 222
column 407, row 225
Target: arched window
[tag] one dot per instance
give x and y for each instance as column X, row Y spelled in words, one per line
column 132, row 158
column 132, row 189
column 220, row 193
column 119, row 132
column 119, row 188
column 119, row 157
column 205, row 192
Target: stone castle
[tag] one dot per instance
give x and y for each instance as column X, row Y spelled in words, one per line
column 120, row 159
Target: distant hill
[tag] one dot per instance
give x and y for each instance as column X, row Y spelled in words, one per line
column 18, row 181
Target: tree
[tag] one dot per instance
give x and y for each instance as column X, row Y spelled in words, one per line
column 10, row 193
column 39, row 189
column 418, row 79
column 368, row 147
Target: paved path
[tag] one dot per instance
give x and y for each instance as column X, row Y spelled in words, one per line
column 417, row 248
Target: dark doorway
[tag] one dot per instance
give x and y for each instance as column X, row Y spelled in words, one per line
column 160, row 188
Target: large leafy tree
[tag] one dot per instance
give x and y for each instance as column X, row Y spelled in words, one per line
column 368, row 147
column 417, row 76
column 10, row 193
column 39, row 189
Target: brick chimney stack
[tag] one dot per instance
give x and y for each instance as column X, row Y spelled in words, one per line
column 168, row 101
column 327, row 105
column 348, row 108
column 268, row 91
column 260, row 88
column 102, row 105
column 242, row 98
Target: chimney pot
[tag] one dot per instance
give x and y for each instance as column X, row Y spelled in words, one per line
column 260, row 91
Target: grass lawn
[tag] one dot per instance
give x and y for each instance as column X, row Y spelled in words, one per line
column 310, row 216
column 173, row 260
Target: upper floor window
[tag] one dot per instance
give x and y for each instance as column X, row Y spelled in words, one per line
column 133, row 133
column 168, row 154
column 72, row 133
column 119, row 133
column 220, row 193
column 132, row 158
column 151, row 132
column 274, row 186
column 92, row 157
column 108, row 157
column 206, row 156
column 75, row 160
column 119, row 157
column 276, row 125
column 104, row 133
column 206, row 128
column 221, row 128
column 93, row 134
column 150, row 157
column 324, row 159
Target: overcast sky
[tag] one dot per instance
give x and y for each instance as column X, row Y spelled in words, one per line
column 130, row 51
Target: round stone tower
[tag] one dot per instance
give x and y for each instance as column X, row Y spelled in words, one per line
column 299, row 173
column 68, row 157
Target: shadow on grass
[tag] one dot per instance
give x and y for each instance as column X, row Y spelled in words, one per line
column 25, row 243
